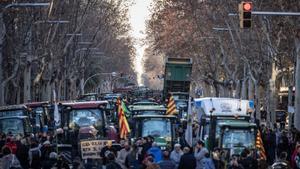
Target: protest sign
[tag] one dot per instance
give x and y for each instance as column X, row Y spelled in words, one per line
column 91, row 149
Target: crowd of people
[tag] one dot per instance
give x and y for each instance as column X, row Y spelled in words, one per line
column 37, row 151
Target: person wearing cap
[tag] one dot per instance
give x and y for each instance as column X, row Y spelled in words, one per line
column 176, row 154
column 199, row 154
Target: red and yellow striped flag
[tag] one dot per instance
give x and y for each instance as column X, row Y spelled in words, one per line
column 171, row 107
column 260, row 146
column 123, row 123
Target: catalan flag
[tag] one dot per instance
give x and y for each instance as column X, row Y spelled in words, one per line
column 123, row 123
column 260, row 146
column 171, row 107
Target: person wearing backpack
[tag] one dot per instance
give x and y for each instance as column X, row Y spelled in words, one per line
column 9, row 160
column 34, row 156
column 112, row 164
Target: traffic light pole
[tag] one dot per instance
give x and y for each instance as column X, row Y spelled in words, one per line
column 270, row 13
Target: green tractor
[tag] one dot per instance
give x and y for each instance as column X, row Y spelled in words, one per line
column 160, row 127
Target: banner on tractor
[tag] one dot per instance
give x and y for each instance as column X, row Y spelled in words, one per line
column 91, row 149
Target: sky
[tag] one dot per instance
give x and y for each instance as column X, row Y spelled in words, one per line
column 138, row 14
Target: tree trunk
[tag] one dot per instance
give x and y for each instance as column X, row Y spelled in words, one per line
column 297, row 81
column 290, row 104
column 273, row 95
column 2, row 39
column 27, row 83
column 250, row 90
column 257, row 101
column 244, row 88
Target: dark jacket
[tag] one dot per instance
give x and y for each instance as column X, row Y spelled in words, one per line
column 249, row 163
column 22, row 155
column 167, row 164
column 104, row 149
column 132, row 161
column 113, row 165
column 187, row 161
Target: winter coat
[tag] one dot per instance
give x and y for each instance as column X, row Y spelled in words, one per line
column 12, row 146
column 156, row 152
column 9, row 161
column 176, row 157
column 167, row 164
column 22, row 155
column 35, row 158
column 113, row 165
column 122, row 157
column 187, row 161
column 208, row 163
column 132, row 160
column 200, row 156
column 297, row 161
column 249, row 163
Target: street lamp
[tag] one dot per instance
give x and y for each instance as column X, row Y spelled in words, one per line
column 27, row 5
column 52, row 22
column 96, row 74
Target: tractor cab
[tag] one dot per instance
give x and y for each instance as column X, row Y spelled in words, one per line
column 160, row 127
column 18, row 111
column 15, row 125
column 147, row 110
column 81, row 117
column 40, row 112
column 236, row 136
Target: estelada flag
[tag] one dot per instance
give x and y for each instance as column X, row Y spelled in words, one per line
column 123, row 123
column 260, row 146
column 171, row 107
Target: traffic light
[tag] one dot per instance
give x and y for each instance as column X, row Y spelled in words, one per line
column 245, row 9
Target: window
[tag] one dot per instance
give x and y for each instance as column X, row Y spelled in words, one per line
column 85, row 117
column 15, row 126
column 156, row 128
column 13, row 113
column 238, row 138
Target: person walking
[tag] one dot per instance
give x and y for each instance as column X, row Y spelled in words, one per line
column 282, row 163
column 9, row 160
column 123, row 153
column 297, row 158
column 176, row 155
column 111, row 162
column 187, row 160
column 234, row 164
column 166, row 163
column 156, row 152
column 34, row 155
column 199, row 154
column 247, row 161
column 208, row 162
column 132, row 160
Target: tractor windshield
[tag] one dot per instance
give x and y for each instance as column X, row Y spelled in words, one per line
column 238, row 138
column 13, row 125
column 157, row 127
column 85, row 117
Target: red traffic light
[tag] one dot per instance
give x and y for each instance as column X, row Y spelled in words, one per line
column 247, row 6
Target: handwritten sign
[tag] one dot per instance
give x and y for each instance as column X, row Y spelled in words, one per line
column 91, row 149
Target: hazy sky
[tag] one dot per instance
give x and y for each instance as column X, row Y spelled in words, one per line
column 138, row 14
